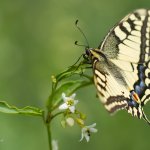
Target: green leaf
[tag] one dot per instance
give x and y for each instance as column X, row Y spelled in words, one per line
column 28, row 110
column 79, row 69
column 68, row 88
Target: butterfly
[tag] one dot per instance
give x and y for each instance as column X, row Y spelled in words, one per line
column 121, row 65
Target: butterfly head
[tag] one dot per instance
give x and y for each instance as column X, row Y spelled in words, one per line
column 88, row 53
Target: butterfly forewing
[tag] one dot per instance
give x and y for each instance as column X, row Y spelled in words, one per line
column 130, row 36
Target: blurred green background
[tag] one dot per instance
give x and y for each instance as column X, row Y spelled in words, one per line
column 37, row 40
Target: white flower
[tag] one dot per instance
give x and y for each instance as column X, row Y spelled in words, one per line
column 70, row 121
column 54, row 145
column 87, row 130
column 69, row 102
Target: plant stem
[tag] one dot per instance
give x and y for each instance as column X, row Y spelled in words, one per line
column 56, row 115
column 49, row 135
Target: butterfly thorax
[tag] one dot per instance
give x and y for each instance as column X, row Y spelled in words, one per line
column 95, row 54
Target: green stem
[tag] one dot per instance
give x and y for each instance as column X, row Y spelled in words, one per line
column 49, row 135
column 56, row 114
column 50, row 106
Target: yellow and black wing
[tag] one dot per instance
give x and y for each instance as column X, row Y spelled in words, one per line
column 123, row 78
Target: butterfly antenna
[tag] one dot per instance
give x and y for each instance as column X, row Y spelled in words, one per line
column 76, row 43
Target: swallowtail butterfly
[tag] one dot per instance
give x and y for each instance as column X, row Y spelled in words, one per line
column 121, row 65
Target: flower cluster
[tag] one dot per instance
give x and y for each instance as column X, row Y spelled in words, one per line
column 69, row 108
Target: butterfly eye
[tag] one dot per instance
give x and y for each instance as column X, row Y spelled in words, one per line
column 87, row 52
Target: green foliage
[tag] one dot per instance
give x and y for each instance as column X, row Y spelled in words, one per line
column 68, row 87
column 62, row 83
column 28, row 110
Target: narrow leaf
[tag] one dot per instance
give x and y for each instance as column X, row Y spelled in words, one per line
column 79, row 69
column 28, row 110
